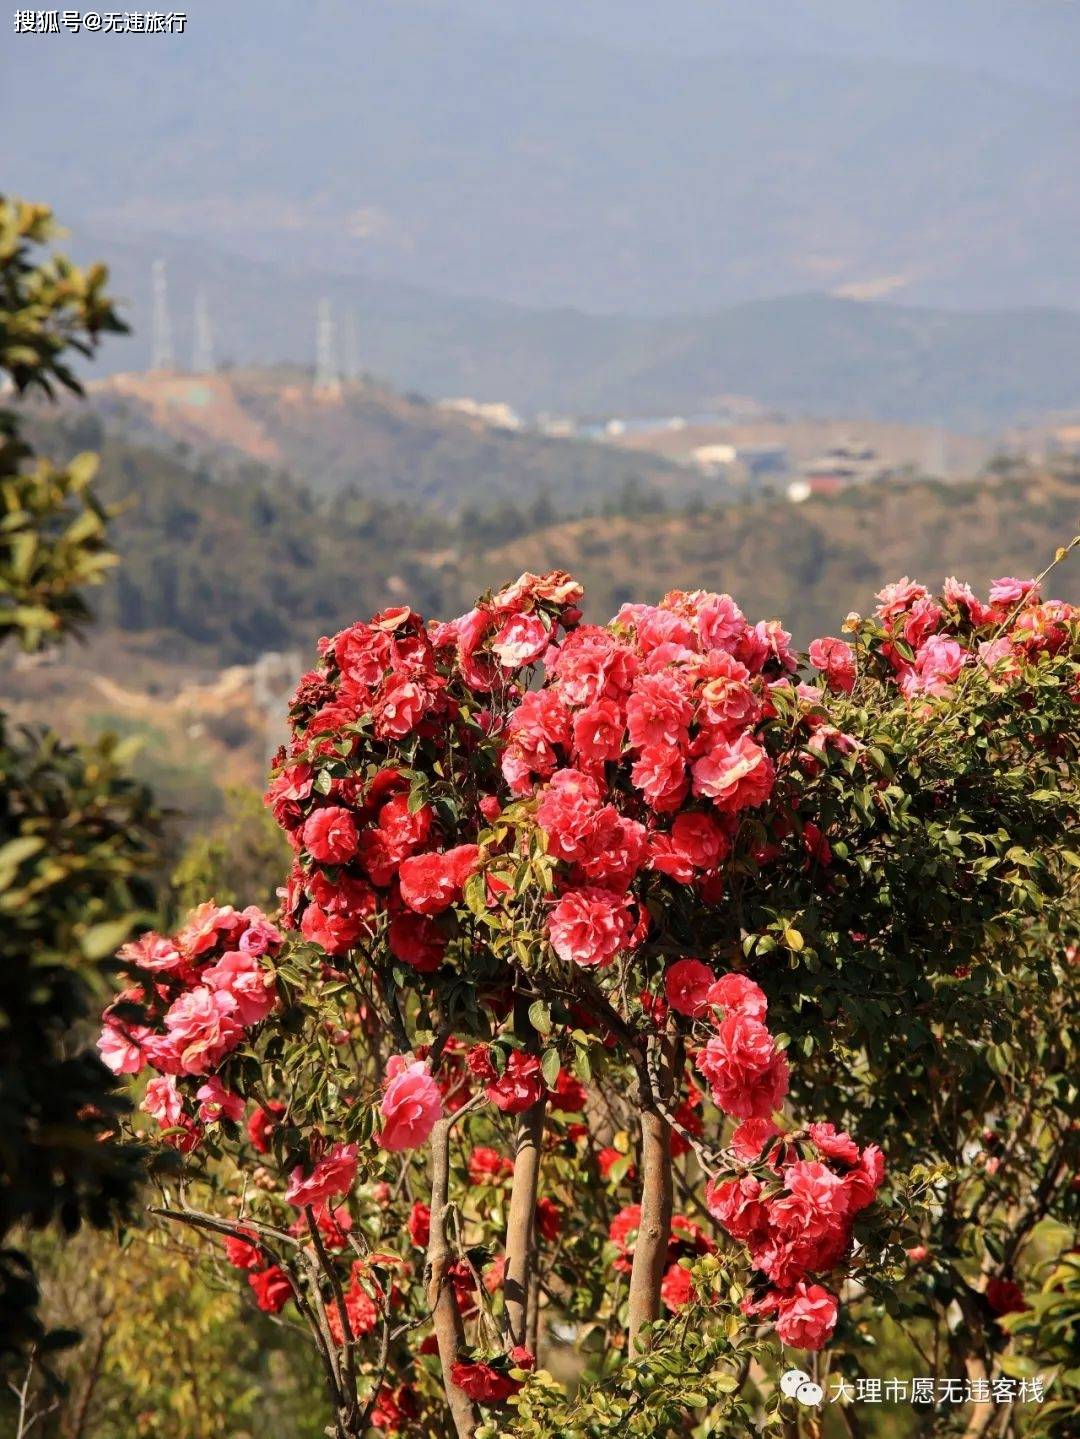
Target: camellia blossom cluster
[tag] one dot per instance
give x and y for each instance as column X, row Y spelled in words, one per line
column 513, row 800
column 804, row 1229
column 389, row 695
column 197, row 995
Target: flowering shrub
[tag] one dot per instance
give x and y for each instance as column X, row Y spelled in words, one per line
column 583, row 915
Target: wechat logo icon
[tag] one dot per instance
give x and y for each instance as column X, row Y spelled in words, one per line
column 798, row 1385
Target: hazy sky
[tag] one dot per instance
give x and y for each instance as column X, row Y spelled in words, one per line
column 619, row 155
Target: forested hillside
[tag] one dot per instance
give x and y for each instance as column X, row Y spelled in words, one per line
column 228, row 568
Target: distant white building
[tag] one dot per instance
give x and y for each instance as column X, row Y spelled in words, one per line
column 714, row 457
column 496, row 413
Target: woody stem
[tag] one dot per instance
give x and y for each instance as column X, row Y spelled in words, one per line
column 449, row 1330
column 521, row 1218
column 650, row 1249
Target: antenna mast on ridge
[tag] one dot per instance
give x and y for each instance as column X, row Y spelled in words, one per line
column 202, row 350
column 161, row 348
column 327, row 384
column 352, row 356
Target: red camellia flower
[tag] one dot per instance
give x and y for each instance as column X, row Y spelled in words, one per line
column 420, row 1224
column 519, row 1086
column 608, row 1158
column 1004, row 1296
column 549, row 1218
column 272, row 1289
column 483, row 1383
column 330, row 835
column 430, row 883
column 416, row 941
column 677, row 1288
column 261, row 1125
column 241, row 1253
column 569, row 1094
column 487, row 1165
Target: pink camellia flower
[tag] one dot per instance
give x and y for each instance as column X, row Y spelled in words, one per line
column 156, row 953
column 963, row 597
column 598, row 731
column 735, row 775
column 410, row 1105
column 687, row 984
column 745, row 1073
column 522, row 639
column 120, row 1046
column 863, row 1182
column 658, row 711
column 1000, row 657
column 750, row 1138
column 330, row 835
column 898, row 597
column 735, row 994
column 806, row 1316
column 209, row 925
column 241, row 975
column 738, row 1205
column 203, row 1026
column 834, row 1143
column 659, row 772
column 217, row 1102
column 163, row 1101
column 589, row 926
column 836, row 661
column 400, row 709
column 720, row 622
column 1007, row 592
column 333, row 1174
column 261, row 936
column 937, row 664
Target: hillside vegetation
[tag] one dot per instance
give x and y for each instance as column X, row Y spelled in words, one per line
column 374, row 440
column 226, row 569
column 810, row 564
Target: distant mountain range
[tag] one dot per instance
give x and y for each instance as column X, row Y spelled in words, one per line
column 810, row 354
column 618, row 156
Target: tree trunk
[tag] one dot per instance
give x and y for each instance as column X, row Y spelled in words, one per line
column 449, row 1331
column 521, row 1218
column 654, row 1232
